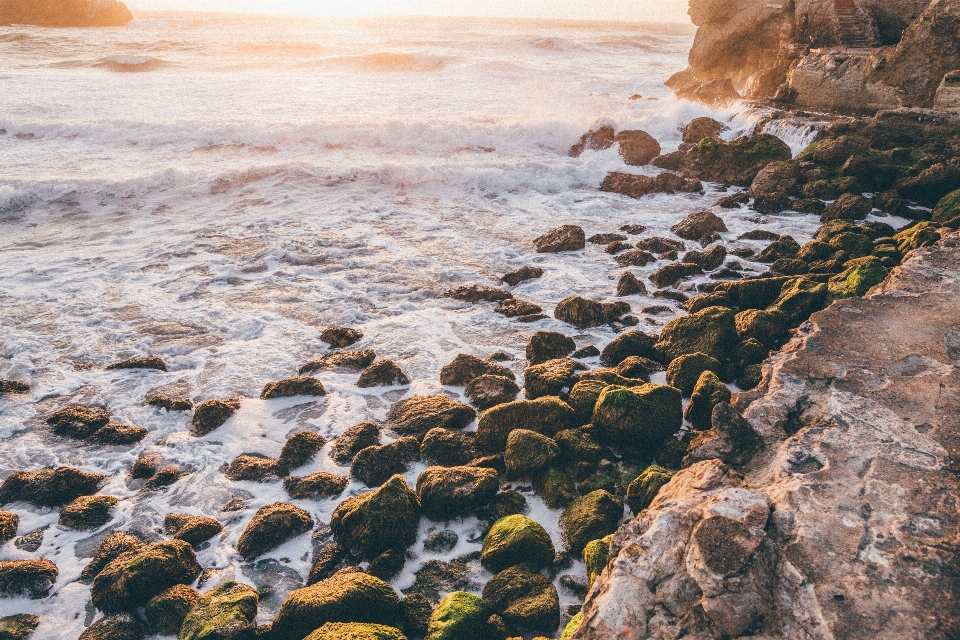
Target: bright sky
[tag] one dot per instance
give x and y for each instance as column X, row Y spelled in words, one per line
column 631, row 10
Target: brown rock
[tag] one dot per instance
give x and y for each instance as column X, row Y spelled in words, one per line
column 697, row 225
column 477, row 293
column 88, row 512
column 552, row 378
column 271, row 526
column 193, row 529
column 566, row 238
column 163, row 478
column 445, row 448
column 487, row 390
column 299, row 449
column 375, row 465
column 700, row 128
column 302, row 386
column 547, row 345
column 146, row 362
column 78, row 422
column 522, row 274
column 596, row 139
column 170, row 404
column 707, row 260
column 165, row 612
column 637, row 148
column 32, row 578
column 118, row 434
column 514, row 308
column 340, row 337
column 210, row 415
column 669, row 275
column 464, row 368
column 382, row 374
column 606, row 238
column 252, row 466
column 628, row 285
column 49, row 487
column 315, row 486
column 12, row 386
column 357, row 437
column 730, row 440
column 113, row 546
column 8, row 525
column 660, row 246
column 637, row 186
column 417, row 415
column 348, row 360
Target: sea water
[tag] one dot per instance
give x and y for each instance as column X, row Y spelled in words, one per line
column 218, row 189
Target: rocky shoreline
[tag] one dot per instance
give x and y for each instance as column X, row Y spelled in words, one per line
column 65, row 13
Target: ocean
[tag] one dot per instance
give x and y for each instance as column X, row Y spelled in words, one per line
column 217, row 189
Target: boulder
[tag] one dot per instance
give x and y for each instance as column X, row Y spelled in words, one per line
column 799, row 298
column 580, row 312
column 340, row 337
column 606, row 238
column 446, row 493
column 302, row 386
column 639, row 418
column 382, row 374
column 416, row 614
column 351, row 441
column 88, row 512
column 417, row 415
column 349, row 595
column 708, row 393
column 556, row 486
column 328, row 560
column 475, row 293
column 210, row 415
column 522, row 274
column 669, row 275
column 637, row 186
column 271, row 526
column 375, row 521
column 859, row 276
column 445, row 448
column 112, row 547
column 592, row 516
column 847, row 207
column 348, row 360
column 644, row 487
column 635, row 259
column 527, row 601
column 915, row 237
column 932, row 184
column 375, row 465
column 119, row 627
column 170, row 403
column 528, row 450
column 552, row 378
column 698, row 225
column 85, row 13
column 707, row 260
column 514, row 308
column 782, row 247
column 700, row 128
column 947, row 211
column 685, row 370
column 316, row 486
column 459, row 616
column 299, row 449
column 146, row 362
column 737, row 162
column 118, row 434
column 637, row 148
column 356, row 631
column 514, row 540
column 228, row 612
column 776, row 178
column 598, row 139
column 464, row 368
column 488, row 390
column 731, row 439
column 18, row 626
column 77, row 421
column 595, row 556
column 566, row 238
column 548, row 345
column 49, row 487
column 132, row 579
column 31, row 578
column 767, row 327
column 193, row 529
column 628, row 285
column 255, row 467
column 630, row 343
column 546, row 415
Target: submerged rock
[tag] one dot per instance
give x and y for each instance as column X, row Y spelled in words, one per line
column 31, row 578
column 340, row 337
column 132, row 579
column 8, row 525
column 78, row 422
column 302, row 386
column 348, row 360
column 373, row 522
column 170, row 403
column 13, row 386
column 271, row 526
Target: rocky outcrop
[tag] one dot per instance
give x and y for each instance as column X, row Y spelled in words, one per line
column 65, row 13
column 838, row 518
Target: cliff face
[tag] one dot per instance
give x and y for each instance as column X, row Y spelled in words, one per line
column 846, row 523
column 65, row 13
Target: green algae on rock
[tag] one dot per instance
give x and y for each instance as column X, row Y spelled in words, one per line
column 556, row 486
column 271, row 526
column 372, row 522
column 516, row 540
column 528, row 450
column 459, row 616
column 947, row 211
column 712, row 331
column 550, row 378
column 527, row 601
column 799, row 298
column 685, row 370
column 452, row 492
column 860, row 275
column 708, row 393
column 572, row 626
column 590, row 517
column 165, row 613
column 356, row 631
column 546, row 415
column 595, row 556
column 639, row 417
column 132, row 579
column 767, row 327
column 33, row 578
column 644, row 488
column 228, row 612
column 18, row 626
column 88, row 512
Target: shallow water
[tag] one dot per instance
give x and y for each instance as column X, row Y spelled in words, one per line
column 216, row 190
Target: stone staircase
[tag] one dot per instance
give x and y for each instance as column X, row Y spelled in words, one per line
column 852, row 30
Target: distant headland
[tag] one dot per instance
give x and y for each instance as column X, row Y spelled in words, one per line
column 65, row 13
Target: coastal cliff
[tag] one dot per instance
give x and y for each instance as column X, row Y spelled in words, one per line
column 65, row 13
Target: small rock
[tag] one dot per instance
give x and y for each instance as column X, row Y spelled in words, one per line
column 465, row 368
column 580, row 312
column 685, row 370
column 707, row 260
column 628, row 285
column 637, row 186
column 638, row 418
column 588, row 351
column 758, row 234
column 514, row 308
column 847, row 207
column 700, row 128
column 348, row 360
column 19, row 626
column 697, row 225
column 351, row 441
column 118, row 434
column 170, row 403
column 487, row 391
column 88, row 512
column 606, row 238
column 12, row 386
column 460, row 615
column 375, row 465
column 708, row 393
column 124, row 626
column 441, row 541
column 644, row 488
column 712, row 331
column 590, row 517
column 782, row 247
column 548, row 345
column 597, row 139
column 546, row 415
column 302, row 386
column 316, row 486
column 210, row 415
column 340, row 337
column 670, row 274
column 78, row 422
column 31, row 541
column 330, row 559
column 635, row 258
column 8, row 525
column 382, row 374
column 631, row 343
column 271, row 526
column 507, row 503
column 660, row 246
column 549, row 378
column 416, row 614
column 633, row 229
column 566, row 238
column 736, row 201
column 299, row 449
column 254, row 467
column 193, row 529
column 522, row 274
column 163, row 478
column 146, row 362
column 637, row 367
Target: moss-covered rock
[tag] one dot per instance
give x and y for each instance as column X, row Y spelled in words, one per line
column 416, row 614
column 132, row 579
column 947, row 211
column 88, row 512
column 315, row 486
column 919, row 235
column 556, row 486
column 298, row 450
column 353, row 440
column 33, row 578
column 709, row 392
column 507, row 503
column 372, row 522
column 166, row 612
column 445, row 448
column 292, row 387
column 528, row 450
column 459, row 616
column 516, row 540
column 19, row 626
column 799, row 298
column 488, row 391
column 572, row 626
column 578, row 447
column 356, row 631
column 417, row 415
column 548, row 345
column 546, row 416
column 388, row 564
column 551, row 378
column 271, row 526
column 847, row 207
column 593, row 516
column 644, row 488
column 375, row 465
column 452, row 492
column 349, row 595
column 751, row 377
column 855, row 244
column 859, row 276
column 49, row 487
column 528, row 602
column 639, row 418
column 210, row 415
column 384, row 373
column 77, row 421
column 595, row 556
column 464, row 368
column 712, row 331
column 630, row 343
column 194, row 529
column 9, row 522
column 767, row 327
column 118, row 627
column 684, row 371
column 228, row 612
column 736, row 162
column 113, row 546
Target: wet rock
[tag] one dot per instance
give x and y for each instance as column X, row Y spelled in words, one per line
column 697, row 225
column 88, row 512
column 146, row 465
column 633, row 229
column 170, row 403
column 516, row 540
column 545, row 415
column 637, row 368
column 708, row 393
column 113, row 546
column 441, row 541
column 416, row 614
column 628, row 285
column 859, row 276
column 146, row 362
column 580, row 312
column 210, row 415
column 566, row 238
column 163, row 478
column 552, row 378
column 771, row 203
column 790, row 267
column 712, row 331
column 487, row 390
column 799, row 298
column 606, row 238
column 348, row 360
column 13, row 386
column 731, row 439
column 459, row 616
column 735, row 201
column 617, row 247
column 452, row 492
column 669, row 275
column 645, row 487
column 354, row 439
column 417, row 415
column 193, row 529
column 119, row 627
column 514, row 308
column 375, row 465
column 588, row 351
column 8, row 525
column 737, row 162
column 635, row 259
column 527, row 601
column 316, row 486
column 767, row 327
column 700, row 128
column 340, row 337
column 548, row 345
column 685, row 370
column 302, row 386
column 372, row 522
column 31, row 541
column 118, row 434
column 637, row 186
column 475, row 293
column 132, row 579
column 299, row 449
column 776, row 178
column 639, row 418
column 533, row 317
column 165, row 613
column 49, row 487
column 847, row 207
column 809, row 205
column 328, row 560
column 349, row 595
column 630, row 343
column 707, row 260
column 465, row 368
column 271, row 526
column 18, row 626
column 522, row 274
column 595, row 556
column 596, row 139
column 915, row 237
column 556, row 487
column 932, row 184
column 946, row 213
column 590, row 517
column 228, row 612
column 637, row 148
column 254, row 467
column 382, row 374
column 782, row 247
column 527, row 451
column 758, row 234
column 78, row 422
column 356, row 631
column 445, row 448
column 31, row 578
